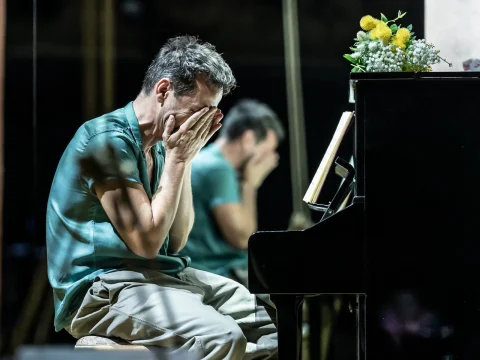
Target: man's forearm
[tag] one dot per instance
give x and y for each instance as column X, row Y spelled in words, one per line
column 249, row 202
column 184, row 218
column 166, row 200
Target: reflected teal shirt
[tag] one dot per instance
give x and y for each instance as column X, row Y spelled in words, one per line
column 214, row 182
column 81, row 241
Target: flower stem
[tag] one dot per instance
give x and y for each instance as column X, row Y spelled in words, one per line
column 449, row 64
column 398, row 17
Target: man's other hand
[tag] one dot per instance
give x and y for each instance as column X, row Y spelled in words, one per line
column 259, row 167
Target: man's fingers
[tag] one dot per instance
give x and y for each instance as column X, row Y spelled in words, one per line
column 210, row 125
column 169, row 126
column 260, row 157
column 271, row 160
column 219, row 115
column 274, row 158
column 205, row 120
column 206, row 125
column 195, row 118
column 213, row 130
column 206, row 132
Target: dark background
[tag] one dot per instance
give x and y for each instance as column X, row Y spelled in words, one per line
column 249, row 33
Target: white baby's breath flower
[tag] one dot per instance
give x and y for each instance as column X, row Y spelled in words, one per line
column 362, row 36
column 356, row 55
column 381, row 58
column 373, row 46
column 421, row 56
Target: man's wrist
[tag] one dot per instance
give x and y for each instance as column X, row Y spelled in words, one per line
column 172, row 158
column 175, row 164
column 247, row 185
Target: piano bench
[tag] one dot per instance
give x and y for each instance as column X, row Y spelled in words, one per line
column 103, row 343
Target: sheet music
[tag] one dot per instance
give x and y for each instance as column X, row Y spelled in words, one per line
column 318, row 180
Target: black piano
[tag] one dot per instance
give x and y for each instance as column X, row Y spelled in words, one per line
column 407, row 243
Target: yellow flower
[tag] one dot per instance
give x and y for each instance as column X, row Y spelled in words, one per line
column 399, row 43
column 368, row 22
column 381, row 32
column 403, row 34
column 401, row 37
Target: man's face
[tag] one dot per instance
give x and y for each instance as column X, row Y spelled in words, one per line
column 262, row 148
column 182, row 107
column 267, row 145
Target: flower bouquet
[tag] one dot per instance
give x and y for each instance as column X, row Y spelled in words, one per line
column 384, row 46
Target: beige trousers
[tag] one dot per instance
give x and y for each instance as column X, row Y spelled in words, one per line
column 208, row 316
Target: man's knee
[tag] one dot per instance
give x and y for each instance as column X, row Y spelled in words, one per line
column 233, row 334
column 227, row 336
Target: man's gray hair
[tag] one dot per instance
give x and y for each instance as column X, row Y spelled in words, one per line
column 184, row 59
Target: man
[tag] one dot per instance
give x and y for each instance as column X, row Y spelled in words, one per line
column 226, row 176
column 120, row 209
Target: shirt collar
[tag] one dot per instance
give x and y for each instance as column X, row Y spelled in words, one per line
column 133, row 123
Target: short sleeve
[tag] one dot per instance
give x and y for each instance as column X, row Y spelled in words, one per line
column 222, row 184
column 110, row 156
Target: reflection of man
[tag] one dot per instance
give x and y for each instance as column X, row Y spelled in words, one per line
column 113, row 233
column 407, row 317
column 225, row 178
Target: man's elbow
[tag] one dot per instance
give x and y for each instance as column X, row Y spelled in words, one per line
column 238, row 239
column 179, row 236
column 146, row 245
column 177, row 243
column 148, row 252
column 148, row 255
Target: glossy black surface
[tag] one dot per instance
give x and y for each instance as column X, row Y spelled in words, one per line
column 421, row 174
column 292, row 262
column 417, row 165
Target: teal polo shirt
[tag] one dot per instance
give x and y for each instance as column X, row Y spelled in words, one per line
column 82, row 243
column 214, row 182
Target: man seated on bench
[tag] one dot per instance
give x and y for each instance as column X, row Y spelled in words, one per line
column 120, row 210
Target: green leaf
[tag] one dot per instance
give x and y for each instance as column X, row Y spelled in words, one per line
column 384, row 18
column 412, row 33
column 350, row 58
column 413, row 37
column 393, row 27
column 358, row 66
column 410, row 27
column 399, row 13
column 357, row 69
